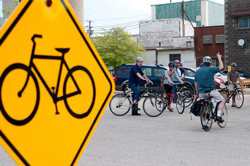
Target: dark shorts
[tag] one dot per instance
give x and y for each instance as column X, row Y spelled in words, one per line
column 168, row 88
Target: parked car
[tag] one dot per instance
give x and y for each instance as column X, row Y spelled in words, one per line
column 190, row 73
column 153, row 72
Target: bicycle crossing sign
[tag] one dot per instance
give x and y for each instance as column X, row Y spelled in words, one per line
column 54, row 87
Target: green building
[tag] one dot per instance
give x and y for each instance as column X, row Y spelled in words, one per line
column 202, row 12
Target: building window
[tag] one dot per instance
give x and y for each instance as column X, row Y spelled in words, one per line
column 173, row 57
column 244, row 22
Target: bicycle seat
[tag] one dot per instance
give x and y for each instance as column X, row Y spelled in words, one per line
column 62, row 50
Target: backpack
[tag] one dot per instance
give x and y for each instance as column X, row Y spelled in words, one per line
column 196, row 107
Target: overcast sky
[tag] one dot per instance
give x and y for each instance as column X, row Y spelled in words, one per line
column 123, row 13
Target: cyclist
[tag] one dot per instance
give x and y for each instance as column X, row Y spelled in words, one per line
column 168, row 82
column 204, row 81
column 135, row 74
column 232, row 78
column 178, row 71
column 201, row 65
column 182, row 71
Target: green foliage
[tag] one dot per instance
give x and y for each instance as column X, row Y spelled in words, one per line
column 8, row 10
column 116, row 47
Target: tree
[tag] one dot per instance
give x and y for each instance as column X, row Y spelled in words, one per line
column 8, row 10
column 116, row 47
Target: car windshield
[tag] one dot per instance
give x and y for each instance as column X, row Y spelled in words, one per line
column 243, row 73
column 224, row 73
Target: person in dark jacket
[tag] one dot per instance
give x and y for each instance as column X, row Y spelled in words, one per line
column 134, row 76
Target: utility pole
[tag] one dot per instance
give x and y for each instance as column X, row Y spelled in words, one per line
column 183, row 18
column 90, row 32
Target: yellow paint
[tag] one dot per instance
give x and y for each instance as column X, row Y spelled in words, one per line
column 50, row 139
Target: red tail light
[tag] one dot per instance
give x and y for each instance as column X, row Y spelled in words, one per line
column 202, row 103
column 115, row 78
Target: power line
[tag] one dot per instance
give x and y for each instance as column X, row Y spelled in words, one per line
column 120, row 18
column 125, row 23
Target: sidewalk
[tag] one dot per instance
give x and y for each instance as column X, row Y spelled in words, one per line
column 246, row 91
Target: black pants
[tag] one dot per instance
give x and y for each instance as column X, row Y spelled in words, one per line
column 168, row 88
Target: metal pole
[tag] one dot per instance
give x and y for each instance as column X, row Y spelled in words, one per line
column 183, row 18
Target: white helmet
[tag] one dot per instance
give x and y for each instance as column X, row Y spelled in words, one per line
column 207, row 59
column 139, row 59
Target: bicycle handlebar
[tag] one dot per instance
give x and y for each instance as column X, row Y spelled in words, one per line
column 146, row 84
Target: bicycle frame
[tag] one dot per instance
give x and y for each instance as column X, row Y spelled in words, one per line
column 63, row 62
column 232, row 94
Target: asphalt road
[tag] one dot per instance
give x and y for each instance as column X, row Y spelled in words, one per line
column 170, row 139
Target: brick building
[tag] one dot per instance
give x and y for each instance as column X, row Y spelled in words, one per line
column 237, row 26
column 208, row 42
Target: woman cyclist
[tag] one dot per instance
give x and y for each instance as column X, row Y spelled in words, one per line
column 168, row 83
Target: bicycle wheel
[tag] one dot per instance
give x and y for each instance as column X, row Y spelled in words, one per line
column 120, row 104
column 239, row 99
column 19, row 94
column 153, row 105
column 224, row 116
column 206, row 115
column 161, row 93
column 79, row 87
column 189, row 96
column 180, row 105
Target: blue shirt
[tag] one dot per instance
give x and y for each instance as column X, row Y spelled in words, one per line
column 205, row 78
column 178, row 72
column 182, row 71
column 133, row 78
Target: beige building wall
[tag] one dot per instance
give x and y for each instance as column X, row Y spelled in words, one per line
column 77, row 5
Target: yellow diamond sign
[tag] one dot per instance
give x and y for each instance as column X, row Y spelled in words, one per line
column 54, row 87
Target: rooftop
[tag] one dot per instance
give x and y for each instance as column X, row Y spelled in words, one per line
column 190, row 1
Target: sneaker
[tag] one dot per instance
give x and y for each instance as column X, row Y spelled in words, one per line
column 205, row 127
column 134, row 107
column 233, row 106
column 219, row 119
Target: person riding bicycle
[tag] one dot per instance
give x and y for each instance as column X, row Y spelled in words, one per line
column 168, row 82
column 182, row 71
column 135, row 74
column 178, row 72
column 204, row 82
column 232, row 78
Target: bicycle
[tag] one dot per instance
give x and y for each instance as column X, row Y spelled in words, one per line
column 122, row 102
column 30, row 79
column 209, row 115
column 237, row 94
column 184, row 97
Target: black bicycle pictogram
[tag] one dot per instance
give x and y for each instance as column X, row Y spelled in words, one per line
column 54, row 92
